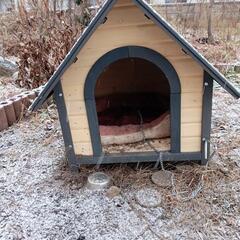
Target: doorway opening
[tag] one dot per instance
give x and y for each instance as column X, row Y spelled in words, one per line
column 132, row 98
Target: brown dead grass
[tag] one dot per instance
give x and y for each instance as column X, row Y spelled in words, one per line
column 40, row 39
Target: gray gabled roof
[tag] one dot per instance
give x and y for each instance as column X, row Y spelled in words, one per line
column 155, row 17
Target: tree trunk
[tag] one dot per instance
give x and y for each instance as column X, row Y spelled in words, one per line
column 209, row 25
column 70, row 11
column 54, row 11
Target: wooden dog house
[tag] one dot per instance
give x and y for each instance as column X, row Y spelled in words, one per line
column 131, row 73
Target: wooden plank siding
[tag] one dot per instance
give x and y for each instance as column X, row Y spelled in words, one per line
column 126, row 25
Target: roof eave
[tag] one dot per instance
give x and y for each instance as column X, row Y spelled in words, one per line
column 188, row 48
column 70, row 57
column 155, row 17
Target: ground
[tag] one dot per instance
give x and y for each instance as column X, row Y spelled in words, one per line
column 8, row 88
column 41, row 199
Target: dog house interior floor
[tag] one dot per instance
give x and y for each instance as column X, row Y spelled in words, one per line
column 160, row 144
column 132, row 102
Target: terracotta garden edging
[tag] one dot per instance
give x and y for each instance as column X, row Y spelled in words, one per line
column 3, row 119
column 13, row 109
column 9, row 111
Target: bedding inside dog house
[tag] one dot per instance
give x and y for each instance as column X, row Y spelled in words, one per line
column 131, row 78
column 131, row 94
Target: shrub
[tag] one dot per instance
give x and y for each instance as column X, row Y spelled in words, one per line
column 41, row 37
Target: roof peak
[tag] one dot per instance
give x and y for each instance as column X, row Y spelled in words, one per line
column 158, row 20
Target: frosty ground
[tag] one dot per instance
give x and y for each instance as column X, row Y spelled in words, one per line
column 41, row 199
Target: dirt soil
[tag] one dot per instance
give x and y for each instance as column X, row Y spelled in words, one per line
column 41, row 199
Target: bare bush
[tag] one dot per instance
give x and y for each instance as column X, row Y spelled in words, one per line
column 208, row 22
column 41, row 36
column 40, row 33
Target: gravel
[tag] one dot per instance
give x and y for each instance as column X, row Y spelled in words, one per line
column 41, row 199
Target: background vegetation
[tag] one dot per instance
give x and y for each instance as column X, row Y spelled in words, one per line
column 41, row 32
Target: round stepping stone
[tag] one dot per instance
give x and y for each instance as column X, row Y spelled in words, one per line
column 98, row 181
column 148, row 198
column 162, row 178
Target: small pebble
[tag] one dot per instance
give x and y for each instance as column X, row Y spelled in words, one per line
column 9, row 144
column 224, row 170
column 162, row 178
column 81, row 237
column 113, row 191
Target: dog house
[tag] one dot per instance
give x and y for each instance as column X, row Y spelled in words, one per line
column 132, row 89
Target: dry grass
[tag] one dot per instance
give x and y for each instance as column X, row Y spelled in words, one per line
column 213, row 211
column 41, row 38
column 191, row 22
column 37, row 157
column 220, row 52
column 204, row 199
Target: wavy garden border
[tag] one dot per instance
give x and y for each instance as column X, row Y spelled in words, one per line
column 13, row 109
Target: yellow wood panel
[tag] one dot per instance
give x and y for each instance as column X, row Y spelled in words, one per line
column 78, row 122
column 75, row 75
column 73, row 71
column 142, row 33
column 190, row 144
column 132, row 35
column 81, row 135
column 167, row 48
column 74, row 92
column 126, row 16
column 187, row 67
column 190, row 84
column 191, row 100
column 191, row 115
column 83, row 148
column 190, row 130
column 76, row 108
column 123, row 3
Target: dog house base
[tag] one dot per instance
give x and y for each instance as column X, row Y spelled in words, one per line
column 139, row 157
column 75, row 160
column 144, row 157
column 125, row 53
column 151, row 39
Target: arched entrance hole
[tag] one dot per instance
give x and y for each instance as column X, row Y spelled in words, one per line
column 132, row 97
column 133, row 94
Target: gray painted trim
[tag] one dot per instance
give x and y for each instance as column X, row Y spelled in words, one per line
column 175, row 114
column 63, row 117
column 206, row 116
column 89, row 95
column 140, row 157
column 188, row 48
column 70, row 57
column 135, row 52
column 155, row 17
column 98, row 67
column 93, row 126
column 161, row 62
